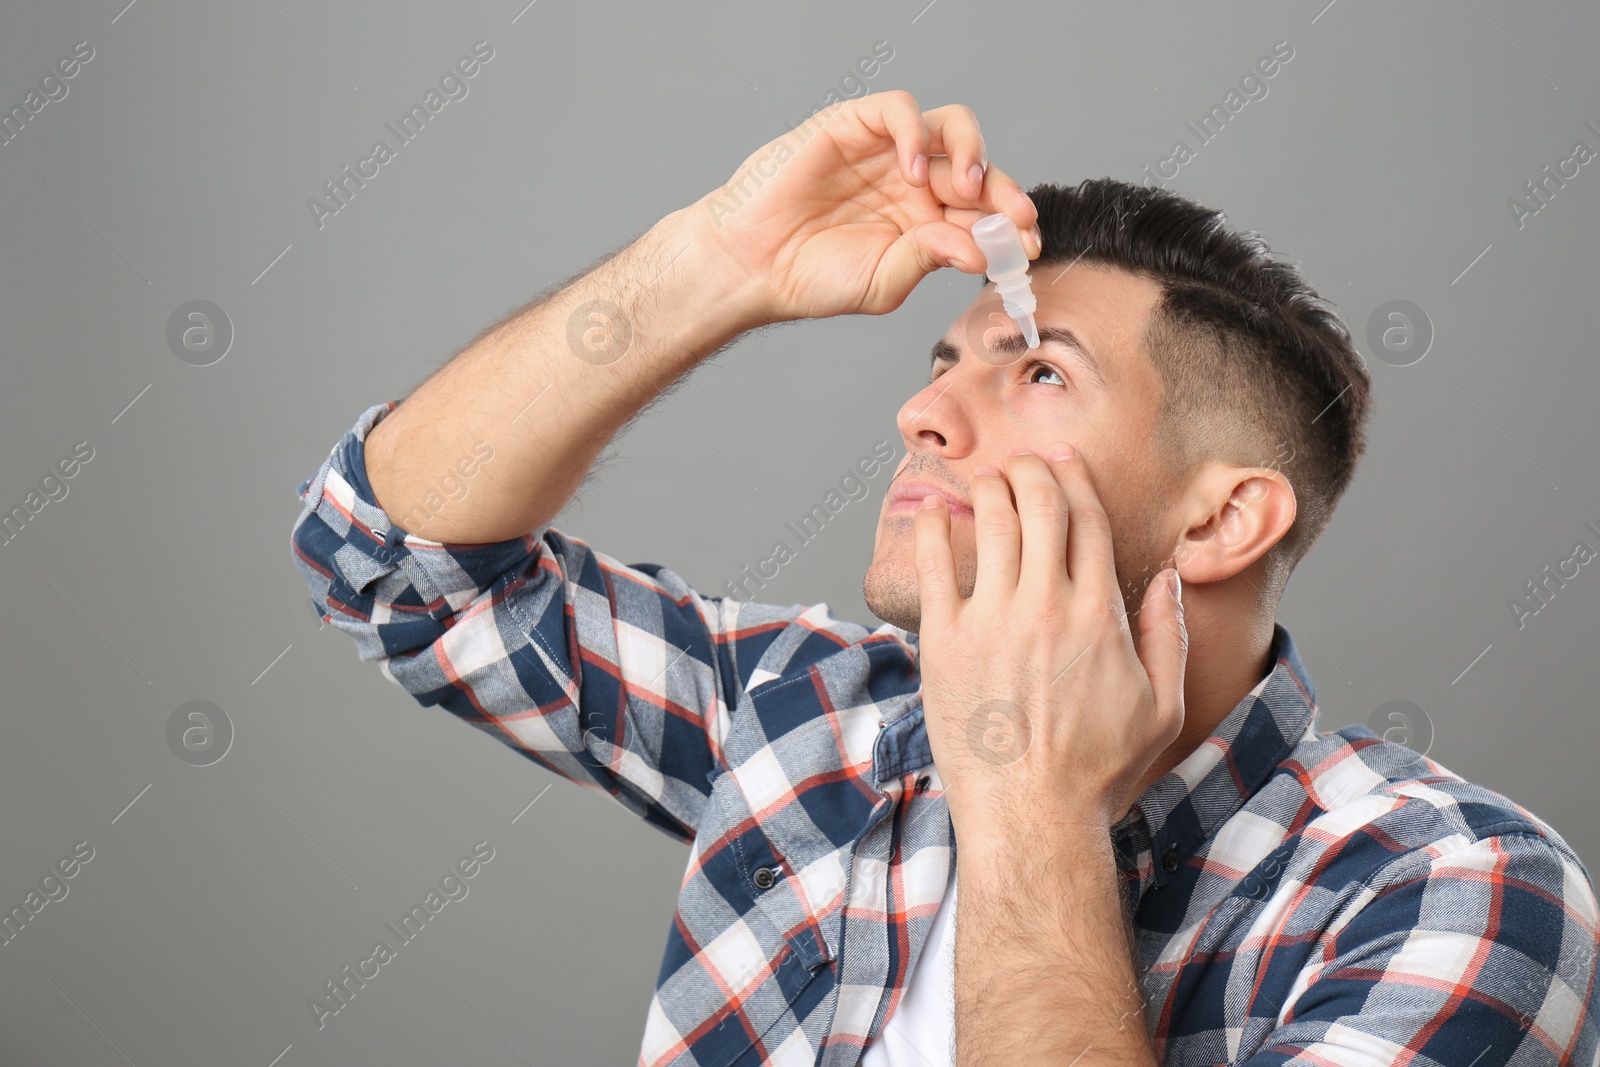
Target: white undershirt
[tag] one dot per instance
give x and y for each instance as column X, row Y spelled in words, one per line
column 921, row 1032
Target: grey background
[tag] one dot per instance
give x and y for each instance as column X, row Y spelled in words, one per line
column 178, row 167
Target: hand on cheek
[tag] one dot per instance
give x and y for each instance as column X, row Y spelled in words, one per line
column 1039, row 709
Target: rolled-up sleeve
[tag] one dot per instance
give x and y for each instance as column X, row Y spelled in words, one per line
column 619, row 677
column 1481, row 954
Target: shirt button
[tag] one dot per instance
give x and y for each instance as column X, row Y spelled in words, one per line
column 1170, row 860
column 764, row 877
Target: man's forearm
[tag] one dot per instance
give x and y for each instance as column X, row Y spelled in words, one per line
column 545, row 389
column 1044, row 967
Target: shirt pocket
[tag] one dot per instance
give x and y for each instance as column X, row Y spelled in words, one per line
column 734, row 969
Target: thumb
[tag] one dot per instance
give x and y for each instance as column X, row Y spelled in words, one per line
column 917, row 253
column 1164, row 642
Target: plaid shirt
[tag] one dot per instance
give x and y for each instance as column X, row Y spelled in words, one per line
column 1298, row 896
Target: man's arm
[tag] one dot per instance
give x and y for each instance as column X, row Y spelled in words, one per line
column 547, row 387
column 1044, row 967
column 618, row 677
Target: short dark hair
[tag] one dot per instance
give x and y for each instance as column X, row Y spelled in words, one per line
column 1253, row 363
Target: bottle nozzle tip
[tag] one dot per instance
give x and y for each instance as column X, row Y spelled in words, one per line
column 1029, row 330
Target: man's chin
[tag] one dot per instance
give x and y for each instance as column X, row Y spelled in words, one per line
column 888, row 597
column 891, row 594
column 909, row 621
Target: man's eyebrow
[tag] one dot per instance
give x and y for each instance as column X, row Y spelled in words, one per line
column 1015, row 344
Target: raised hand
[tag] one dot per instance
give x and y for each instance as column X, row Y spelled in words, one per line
column 846, row 213
column 1040, row 710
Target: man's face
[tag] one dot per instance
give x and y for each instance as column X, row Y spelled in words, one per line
column 991, row 395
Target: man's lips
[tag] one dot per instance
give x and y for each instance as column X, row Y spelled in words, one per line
column 909, row 496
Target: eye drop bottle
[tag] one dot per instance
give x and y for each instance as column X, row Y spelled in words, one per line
column 1001, row 243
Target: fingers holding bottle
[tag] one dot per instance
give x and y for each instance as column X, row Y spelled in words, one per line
column 943, row 150
column 846, row 214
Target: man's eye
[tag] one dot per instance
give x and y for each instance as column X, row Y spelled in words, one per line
column 1032, row 367
column 1028, row 372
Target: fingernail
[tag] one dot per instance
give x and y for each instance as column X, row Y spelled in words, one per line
column 1060, row 452
column 975, row 173
column 986, row 470
column 1038, row 238
column 1175, row 587
column 919, row 167
column 932, row 500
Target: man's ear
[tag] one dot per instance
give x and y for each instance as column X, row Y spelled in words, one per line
column 1235, row 515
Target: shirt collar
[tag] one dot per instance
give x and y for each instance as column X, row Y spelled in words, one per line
column 1179, row 812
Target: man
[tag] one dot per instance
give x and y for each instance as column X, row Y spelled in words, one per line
column 1080, row 721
